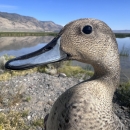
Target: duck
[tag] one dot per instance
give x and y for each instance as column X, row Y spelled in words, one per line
column 87, row 105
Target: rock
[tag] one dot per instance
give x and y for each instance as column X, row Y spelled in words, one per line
column 39, row 103
column 45, row 110
column 5, row 101
column 1, row 71
column 51, row 72
column 50, row 102
column 124, row 108
column 62, row 75
column 29, row 117
column 44, row 89
column 81, row 80
column 2, row 110
column 22, row 88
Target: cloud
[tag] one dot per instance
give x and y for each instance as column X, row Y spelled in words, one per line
column 8, row 7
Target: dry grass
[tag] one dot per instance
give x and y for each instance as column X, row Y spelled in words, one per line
column 62, row 67
column 38, row 123
column 8, row 74
column 17, row 121
column 13, row 121
column 74, row 71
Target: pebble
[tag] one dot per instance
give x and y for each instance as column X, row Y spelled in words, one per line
column 29, row 117
column 1, row 109
column 43, row 90
column 62, row 75
column 50, row 102
column 1, row 71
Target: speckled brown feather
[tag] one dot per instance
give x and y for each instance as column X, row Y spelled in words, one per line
column 88, row 105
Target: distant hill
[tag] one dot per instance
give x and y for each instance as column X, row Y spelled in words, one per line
column 12, row 22
column 18, row 23
column 121, row 31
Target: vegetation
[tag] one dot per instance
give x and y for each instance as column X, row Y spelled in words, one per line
column 123, row 93
column 12, row 121
column 18, row 120
column 124, row 52
column 122, row 35
column 8, row 74
column 38, row 122
column 75, row 71
column 67, row 68
column 15, row 121
column 22, row 34
column 59, row 67
column 27, row 99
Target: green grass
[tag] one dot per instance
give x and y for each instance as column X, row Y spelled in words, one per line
column 22, row 34
column 38, row 122
column 27, row 99
column 122, row 35
column 124, row 51
column 123, row 93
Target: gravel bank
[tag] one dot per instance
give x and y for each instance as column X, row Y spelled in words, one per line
column 41, row 90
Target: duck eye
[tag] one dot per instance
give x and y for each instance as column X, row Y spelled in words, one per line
column 87, row 29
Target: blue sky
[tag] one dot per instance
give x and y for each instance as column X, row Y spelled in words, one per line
column 116, row 13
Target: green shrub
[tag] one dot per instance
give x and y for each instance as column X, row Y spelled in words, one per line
column 38, row 122
column 123, row 93
column 21, row 34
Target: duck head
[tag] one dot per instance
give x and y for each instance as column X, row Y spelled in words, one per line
column 86, row 40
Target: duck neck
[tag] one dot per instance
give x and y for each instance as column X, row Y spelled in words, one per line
column 108, row 70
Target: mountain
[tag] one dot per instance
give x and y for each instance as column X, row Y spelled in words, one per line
column 18, row 23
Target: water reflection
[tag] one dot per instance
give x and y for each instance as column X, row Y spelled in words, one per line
column 125, row 68
column 15, row 43
column 123, row 42
column 22, row 45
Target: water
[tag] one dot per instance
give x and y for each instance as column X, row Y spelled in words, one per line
column 124, row 60
column 18, row 46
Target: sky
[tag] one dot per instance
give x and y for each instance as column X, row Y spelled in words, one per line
column 116, row 13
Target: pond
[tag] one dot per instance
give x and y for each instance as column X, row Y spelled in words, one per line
column 18, row 46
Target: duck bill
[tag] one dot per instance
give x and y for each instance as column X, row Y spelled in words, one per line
column 52, row 52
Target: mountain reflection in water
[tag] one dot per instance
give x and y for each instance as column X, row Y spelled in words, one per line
column 15, row 43
column 18, row 46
